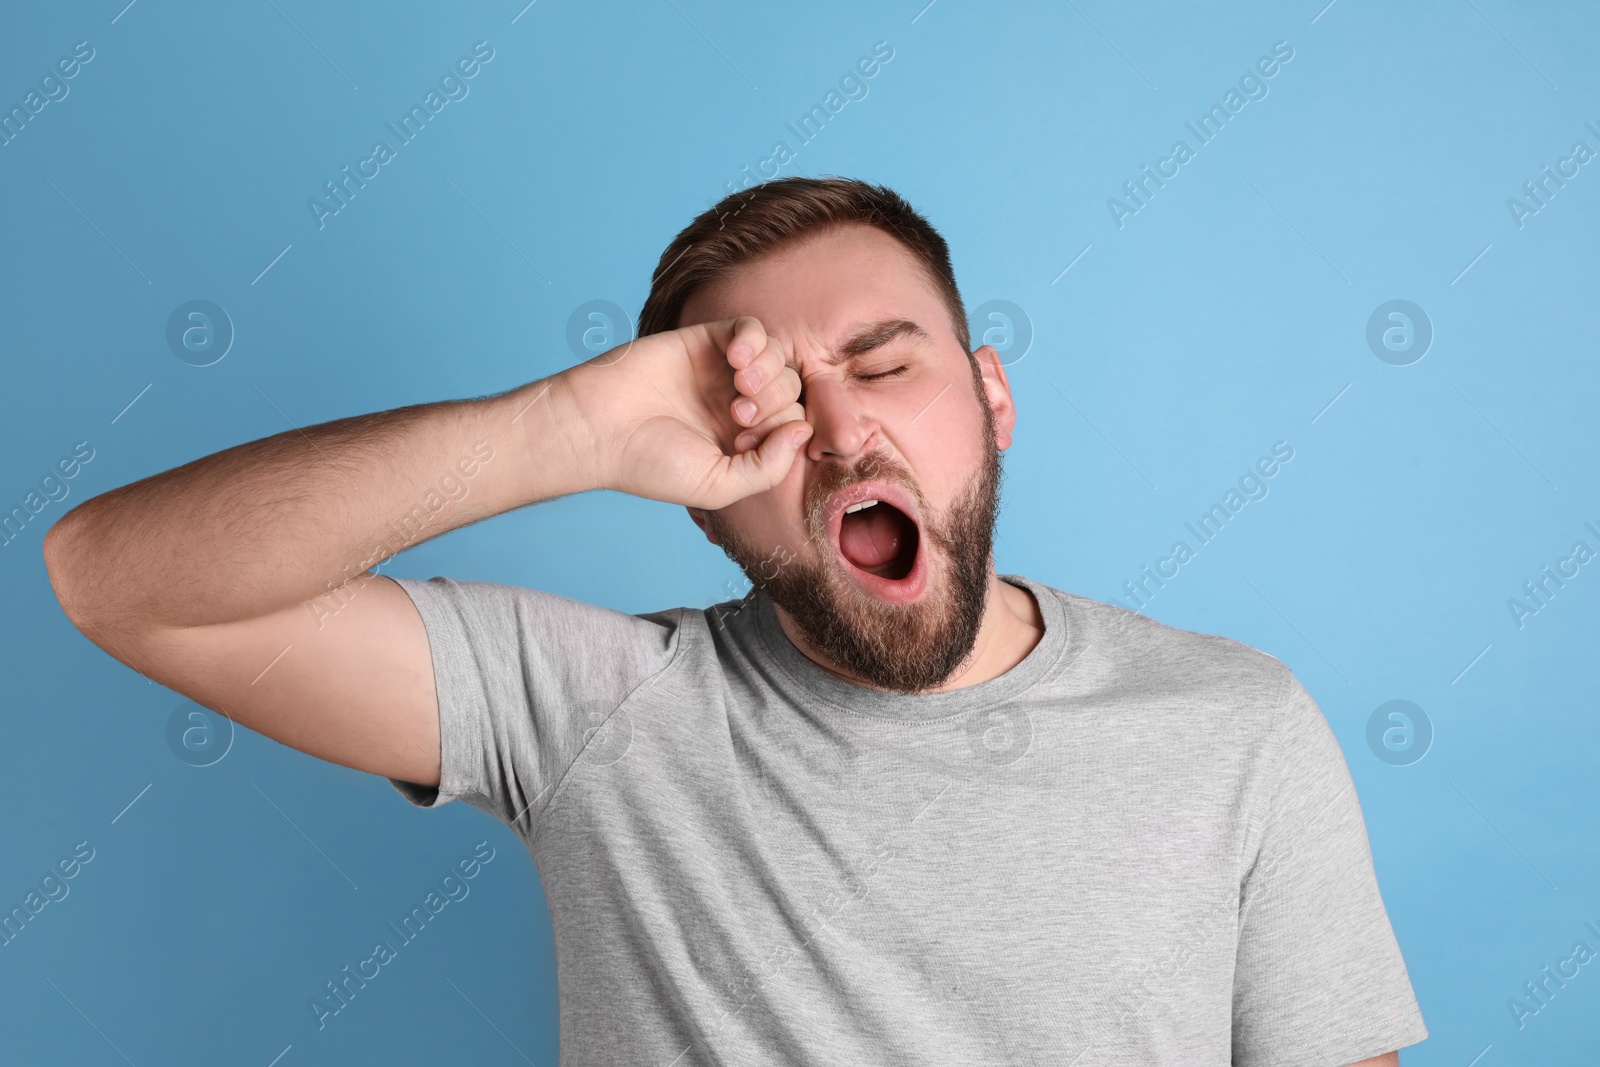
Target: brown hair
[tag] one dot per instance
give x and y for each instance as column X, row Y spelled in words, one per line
column 745, row 224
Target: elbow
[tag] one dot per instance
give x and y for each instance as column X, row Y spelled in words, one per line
column 76, row 564
column 63, row 556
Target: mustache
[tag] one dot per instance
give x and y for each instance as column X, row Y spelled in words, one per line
column 874, row 466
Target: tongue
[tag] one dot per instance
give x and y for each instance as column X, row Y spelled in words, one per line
column 872, row 537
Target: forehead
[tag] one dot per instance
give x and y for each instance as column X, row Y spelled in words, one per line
column 823, row 284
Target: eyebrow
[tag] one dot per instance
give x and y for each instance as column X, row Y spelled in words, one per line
column 870, row 337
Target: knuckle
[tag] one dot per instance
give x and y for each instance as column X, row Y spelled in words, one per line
column 772, row 395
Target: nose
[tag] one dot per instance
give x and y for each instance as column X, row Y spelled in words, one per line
column 841, row 429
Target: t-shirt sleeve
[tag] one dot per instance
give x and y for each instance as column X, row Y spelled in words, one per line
column 525, row 680
column 1319, row 980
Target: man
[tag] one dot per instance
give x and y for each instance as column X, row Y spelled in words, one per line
column 891, row 807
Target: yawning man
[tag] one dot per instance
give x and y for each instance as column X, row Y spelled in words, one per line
column 891, row 807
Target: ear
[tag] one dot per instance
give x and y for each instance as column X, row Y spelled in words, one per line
column 997, row 389
column 702, row 519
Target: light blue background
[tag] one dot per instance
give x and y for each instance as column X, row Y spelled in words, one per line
column 1228, row 314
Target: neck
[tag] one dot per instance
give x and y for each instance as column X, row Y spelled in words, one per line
column 1012, row 625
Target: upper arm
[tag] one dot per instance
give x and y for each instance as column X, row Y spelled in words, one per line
column 1318, row 972
column 1388, row 1059
column 346, row 678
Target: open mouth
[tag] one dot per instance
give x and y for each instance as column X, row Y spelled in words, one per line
column 874, row 533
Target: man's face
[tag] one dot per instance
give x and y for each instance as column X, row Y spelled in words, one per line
column 891, row 594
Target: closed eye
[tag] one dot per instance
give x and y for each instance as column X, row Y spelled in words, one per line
column 882, row 374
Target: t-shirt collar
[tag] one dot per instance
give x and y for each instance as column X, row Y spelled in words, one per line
column 813, row 681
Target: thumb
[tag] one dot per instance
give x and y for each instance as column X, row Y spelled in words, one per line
column 768, row 464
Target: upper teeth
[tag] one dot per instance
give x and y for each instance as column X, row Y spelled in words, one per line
column 858, row 507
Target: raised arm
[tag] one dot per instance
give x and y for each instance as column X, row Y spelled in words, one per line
column 243, row 579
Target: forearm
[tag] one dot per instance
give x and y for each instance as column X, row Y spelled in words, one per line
column 279, row 521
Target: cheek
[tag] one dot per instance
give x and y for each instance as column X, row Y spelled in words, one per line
column 766, row 521
column 945, row 451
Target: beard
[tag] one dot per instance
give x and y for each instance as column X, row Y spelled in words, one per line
column 906, row 648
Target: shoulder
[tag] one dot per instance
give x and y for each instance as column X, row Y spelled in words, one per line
column 1169, row 656
column 1127, row 654
column 537, row 624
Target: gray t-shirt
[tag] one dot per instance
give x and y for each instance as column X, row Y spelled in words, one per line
column 1140, row 845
